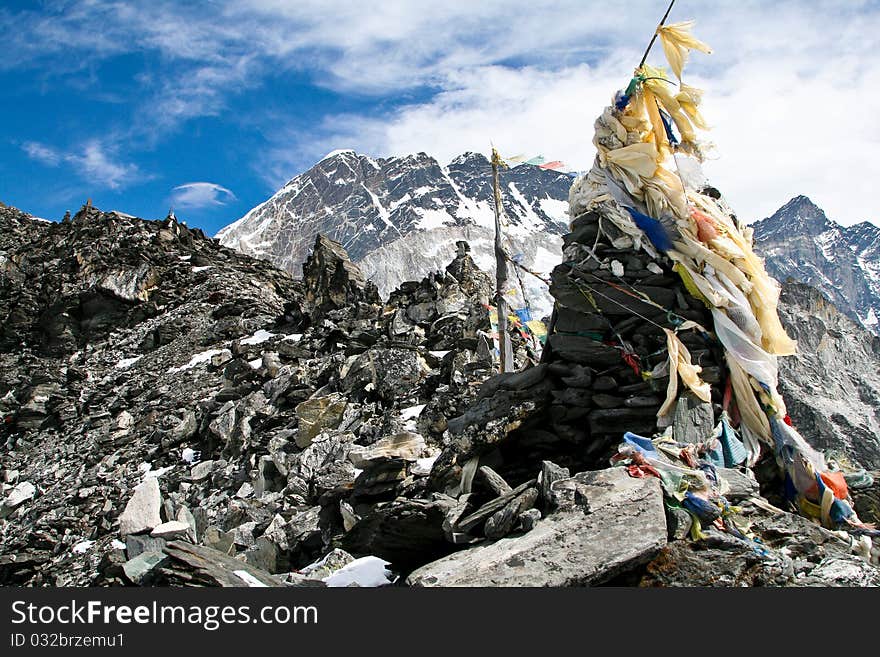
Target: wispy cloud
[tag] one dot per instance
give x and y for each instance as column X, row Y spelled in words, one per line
column 42, row 153
column 201, row 195
column 102, row 166
column 94, row 161
column 785, row 94
column 791, row 88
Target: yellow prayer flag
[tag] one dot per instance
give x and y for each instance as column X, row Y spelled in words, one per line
column 677, row 43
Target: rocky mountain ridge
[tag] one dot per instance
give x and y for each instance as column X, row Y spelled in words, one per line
column 800, row 242
column 398, row 217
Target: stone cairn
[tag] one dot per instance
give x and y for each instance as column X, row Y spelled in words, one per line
column 604, row 369
column 608, row 346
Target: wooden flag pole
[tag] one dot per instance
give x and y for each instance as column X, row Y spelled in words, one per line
column 654, row 38
column 504, row 345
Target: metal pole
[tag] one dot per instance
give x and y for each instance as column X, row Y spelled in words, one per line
column 504, row 345
column 654, row 38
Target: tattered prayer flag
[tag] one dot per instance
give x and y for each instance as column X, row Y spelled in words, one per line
column 677, row 43
column 524, row 314
column 537, row 328
column 537, row 161
column 556, row 165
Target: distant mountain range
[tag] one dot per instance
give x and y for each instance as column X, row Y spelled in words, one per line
column 399, row 218
column 800, row 243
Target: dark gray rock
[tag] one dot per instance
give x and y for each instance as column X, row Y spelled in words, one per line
column 584, row 351
column 740, row 484
column 405, row 532
column 832, row 386
column 550, row 473
column 679, row 523
column 140, row 568
column 332, row 281
column 136, row 544
column 694, row 420
column 502, row 522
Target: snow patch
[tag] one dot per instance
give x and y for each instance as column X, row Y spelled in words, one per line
column 424, row 466
column 341, row 151
column 248, row 579
column 147, row 470
column 198, row 359
column 555, row 209
column 545, row 261
column 365, row 572
column 412, row 412
column 383, row 212
column 409, row 415
column 259, row 337
column 431, row 219
column 191, row 456
column 826, row 242
column 82, row 547
column 531, row 222
column 125, row 363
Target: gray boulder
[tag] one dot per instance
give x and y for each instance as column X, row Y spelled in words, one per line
column 608, row 522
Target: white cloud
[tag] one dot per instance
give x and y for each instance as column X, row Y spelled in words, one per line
column 791, row 115
column 776, row 134
column 201, row 195
column 42, row 153
column 791, row 88
column 94, row 160
column 98, row 164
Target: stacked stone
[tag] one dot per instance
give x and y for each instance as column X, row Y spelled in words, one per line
column 604, row 370
column 608, row 341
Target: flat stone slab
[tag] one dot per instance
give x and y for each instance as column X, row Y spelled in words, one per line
column 407, row 446
column 170, row 529
column 22, row 493
column 607, row 523
column 141, row 514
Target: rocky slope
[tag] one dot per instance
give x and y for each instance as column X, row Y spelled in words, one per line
column 176, row 412
column 399, row 217
column 134, row 350
column 801, row 243
column 832, row 387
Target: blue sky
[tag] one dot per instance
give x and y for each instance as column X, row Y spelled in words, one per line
column 211, row 106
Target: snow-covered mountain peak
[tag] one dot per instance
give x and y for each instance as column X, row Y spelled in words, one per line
column 470, row 158
column 799, row 217
column 338, row 153
column 399, row 217
column 801, row 243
